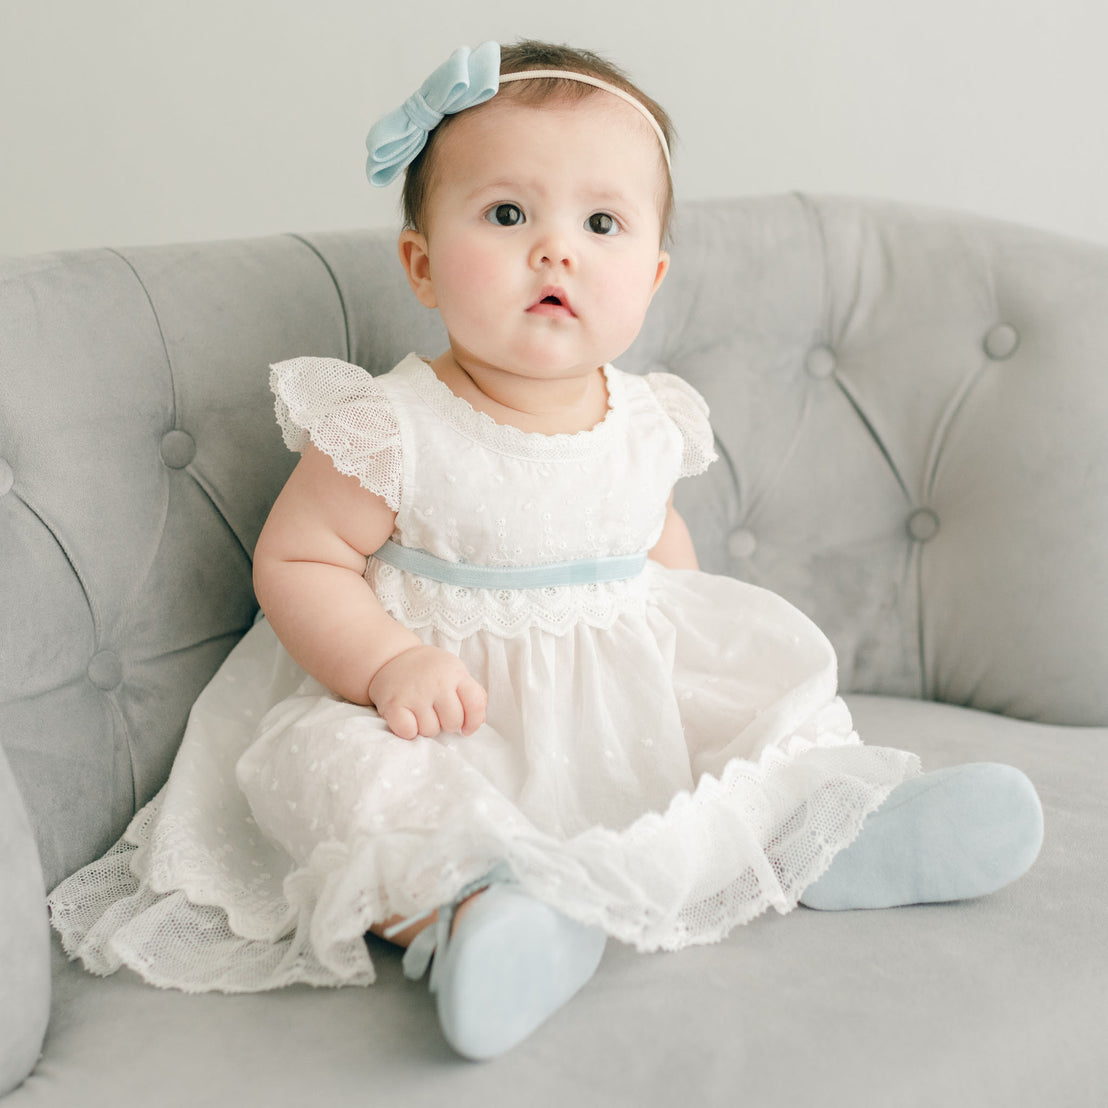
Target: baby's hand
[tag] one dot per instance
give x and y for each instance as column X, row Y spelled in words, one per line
column 425, row 690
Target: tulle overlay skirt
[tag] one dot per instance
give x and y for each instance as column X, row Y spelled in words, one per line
column 668, row 777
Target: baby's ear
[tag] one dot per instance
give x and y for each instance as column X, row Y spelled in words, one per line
column 663, row 269
column 412, row 248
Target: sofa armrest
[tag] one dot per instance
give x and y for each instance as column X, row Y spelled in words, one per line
column 24, row 939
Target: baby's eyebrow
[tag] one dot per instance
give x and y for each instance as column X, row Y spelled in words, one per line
column 508, row 185
column 606, row 194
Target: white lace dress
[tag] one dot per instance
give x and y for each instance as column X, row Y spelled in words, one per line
column 665, row 756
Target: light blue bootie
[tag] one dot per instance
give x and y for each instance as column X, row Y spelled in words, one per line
column 511, row 963
column 507, row 965
column 947, row 835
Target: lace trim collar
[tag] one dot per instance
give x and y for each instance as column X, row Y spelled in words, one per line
column 459, row 414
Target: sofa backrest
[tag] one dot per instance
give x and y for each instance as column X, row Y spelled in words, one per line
column 910, row 409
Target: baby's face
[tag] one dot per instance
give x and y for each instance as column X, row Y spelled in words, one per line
column 543, row 234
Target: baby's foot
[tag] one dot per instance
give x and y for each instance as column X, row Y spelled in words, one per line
column 510, row 964
column 947, row 835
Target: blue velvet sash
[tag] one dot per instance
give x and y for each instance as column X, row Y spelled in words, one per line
column 550, row 575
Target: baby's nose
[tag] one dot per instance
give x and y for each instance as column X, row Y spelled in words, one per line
column 552, row 248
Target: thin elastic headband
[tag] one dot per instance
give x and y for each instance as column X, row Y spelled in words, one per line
column 596, row 82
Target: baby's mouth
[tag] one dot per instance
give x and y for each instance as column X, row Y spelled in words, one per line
column 552, row 301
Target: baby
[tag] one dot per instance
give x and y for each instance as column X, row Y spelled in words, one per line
column 521, row 720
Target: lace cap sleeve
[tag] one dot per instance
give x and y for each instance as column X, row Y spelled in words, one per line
column 344, row 412
column 689, row 412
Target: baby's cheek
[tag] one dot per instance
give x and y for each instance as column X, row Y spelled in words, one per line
column 481, row 268
column 628, row 300
column 463, row 280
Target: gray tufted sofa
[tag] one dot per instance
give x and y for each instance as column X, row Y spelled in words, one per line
column 912, row 415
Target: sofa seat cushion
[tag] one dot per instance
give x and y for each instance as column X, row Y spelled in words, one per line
column 994, row 1001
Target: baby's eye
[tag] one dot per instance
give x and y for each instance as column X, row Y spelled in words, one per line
column 601, row 223
column 505, row 215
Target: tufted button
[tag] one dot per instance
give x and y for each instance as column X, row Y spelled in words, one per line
column 178, row 449
column 7, row 477
column 923, row 525
column 1002, row 342
column 820, row 362
column 742, row 543
column 105, row 670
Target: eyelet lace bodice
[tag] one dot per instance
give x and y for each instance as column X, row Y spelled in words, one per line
column 468, row 489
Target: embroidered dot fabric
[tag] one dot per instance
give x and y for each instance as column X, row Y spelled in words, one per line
column 666, row 757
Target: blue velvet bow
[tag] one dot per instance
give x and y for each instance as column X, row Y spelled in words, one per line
column 465, row 79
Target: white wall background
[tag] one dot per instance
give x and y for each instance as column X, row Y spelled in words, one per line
column 139, row 121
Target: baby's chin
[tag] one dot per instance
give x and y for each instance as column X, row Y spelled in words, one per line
column 540, row 366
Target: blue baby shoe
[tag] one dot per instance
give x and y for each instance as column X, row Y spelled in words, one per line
column 509, row 965
column 947, row 835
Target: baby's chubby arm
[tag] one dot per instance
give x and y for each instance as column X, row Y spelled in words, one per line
column 308, row 569
column 674, row 548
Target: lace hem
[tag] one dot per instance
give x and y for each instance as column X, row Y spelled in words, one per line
column 689, row 412
column 173, row 943
column 650, row 885
column 458, row 612
column 345, row 413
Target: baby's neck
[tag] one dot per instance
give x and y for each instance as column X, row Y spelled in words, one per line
column 548, row 406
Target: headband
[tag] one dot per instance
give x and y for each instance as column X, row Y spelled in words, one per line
column 467, row 78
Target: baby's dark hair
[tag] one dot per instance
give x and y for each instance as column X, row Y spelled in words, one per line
column 517, row 58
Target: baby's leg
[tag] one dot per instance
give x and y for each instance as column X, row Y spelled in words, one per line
column 393, row 930
column 947, row 835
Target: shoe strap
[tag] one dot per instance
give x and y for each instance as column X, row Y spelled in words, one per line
column 435, row 938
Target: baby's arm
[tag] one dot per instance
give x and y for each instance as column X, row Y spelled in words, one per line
column 308, row 569
column 674, row 548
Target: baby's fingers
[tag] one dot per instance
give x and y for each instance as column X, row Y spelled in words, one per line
column 462, row 709
column 449, row 712
column 402, row 722
column 474, row 701
column 428, row 721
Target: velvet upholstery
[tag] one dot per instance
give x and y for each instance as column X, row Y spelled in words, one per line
column 909, row 407
column 24, row 939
